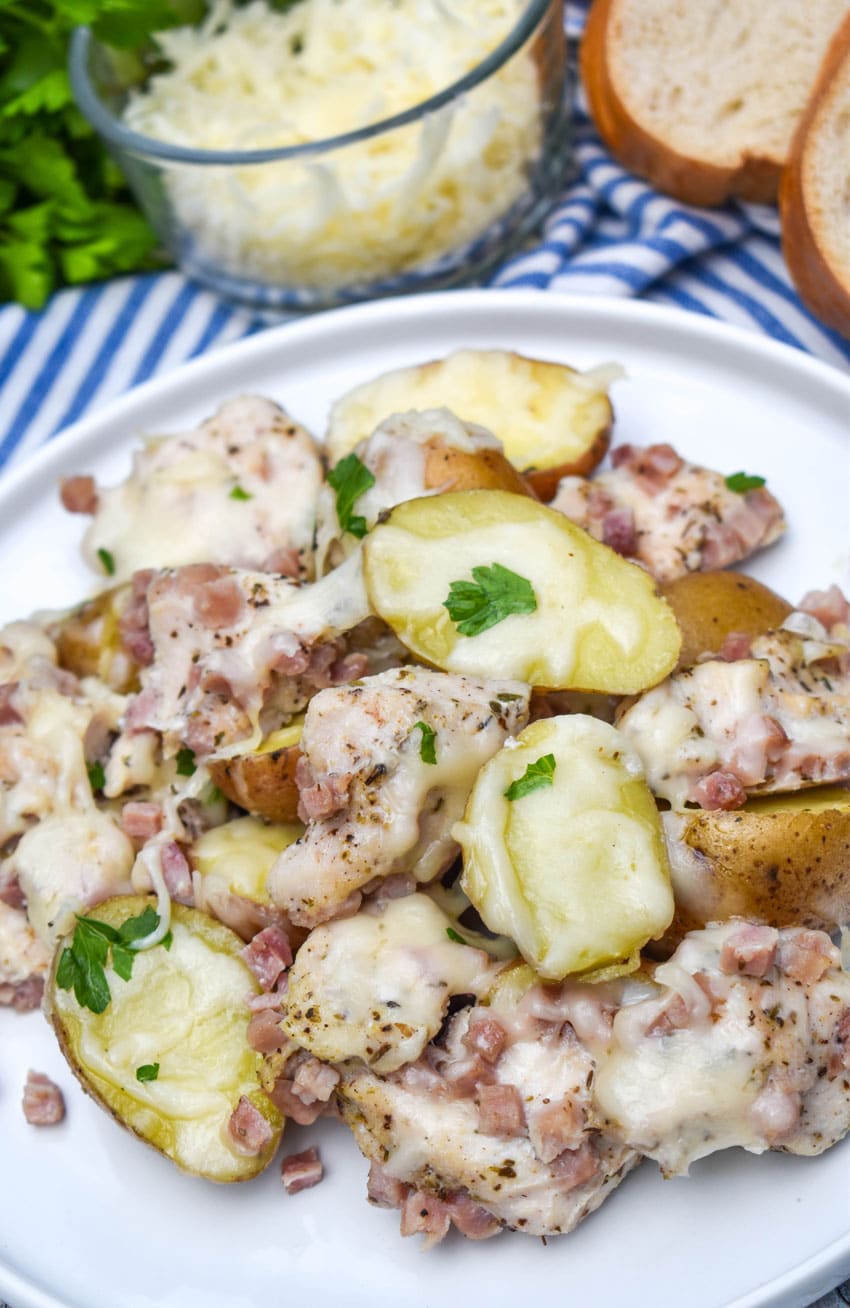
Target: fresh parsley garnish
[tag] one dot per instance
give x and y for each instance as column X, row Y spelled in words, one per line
column 536, row 776
column 453, row 935
column 107, row 560
column 427, row 748
column 97, row 776
column 186, row 766
column 350, row 479
column 82, row 964
column 741, row 482
column 238, row 493
column 494, row 595
column 147, row 1072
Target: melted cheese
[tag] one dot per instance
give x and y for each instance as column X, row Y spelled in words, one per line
column 376, row 986
column 237, row 856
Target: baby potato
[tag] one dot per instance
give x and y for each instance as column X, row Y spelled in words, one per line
column 88, row 644
column 551, row 419
column 782, row 859
column 710, row 605
column 183, row 1013
column 263, row 782
column 492, row 584
column 449, row 468
column 563, row 849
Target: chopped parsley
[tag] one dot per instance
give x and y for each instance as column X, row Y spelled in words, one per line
column 453, row 935
column 82, row 964
column 536, row 776
column 147, row 1072
column 238, row 493
column 495, row 593
column 97, row 776
column 350, row 479
column 186, row 766
column 427, row 750
column 107, row 560
column 741, row 482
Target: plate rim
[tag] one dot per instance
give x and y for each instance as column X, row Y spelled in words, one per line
column 829, row 1263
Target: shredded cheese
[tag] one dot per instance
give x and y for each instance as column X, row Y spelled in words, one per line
column 252, row 78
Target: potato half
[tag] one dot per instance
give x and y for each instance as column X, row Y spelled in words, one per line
column 597, row 625
column 449, row 468
column 88, row 640
column 782, row 859
column 263, row 782
column 236, row 857
column 574, row 869
column 183, row 1008
column 709, row 606
column 552, row 420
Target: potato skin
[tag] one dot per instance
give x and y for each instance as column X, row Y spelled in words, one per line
column 88, row 644
column 450, row 469
column 544, row 481
column 710, row 605
column 263, row 784
column 789, row 867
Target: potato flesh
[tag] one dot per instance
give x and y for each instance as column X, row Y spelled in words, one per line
column 240, row 854
column 575, row 872
column 599, row 624
column 183, row 1008
column 545, row 414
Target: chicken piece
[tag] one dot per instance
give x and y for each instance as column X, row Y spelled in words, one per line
column 775, row 720
column 236, row 654
column 672, row 516
column 240, row 489
column 746, row 1044
column 376, row 986
column 387, row 767
column 397, row 457
column 24, row 961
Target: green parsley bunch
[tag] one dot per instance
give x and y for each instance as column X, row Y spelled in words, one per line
column 65, row 213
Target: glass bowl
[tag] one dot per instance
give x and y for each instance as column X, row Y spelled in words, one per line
column 464, row 176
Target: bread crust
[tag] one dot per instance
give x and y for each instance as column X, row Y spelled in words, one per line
column 691, row 180
column 820, row 284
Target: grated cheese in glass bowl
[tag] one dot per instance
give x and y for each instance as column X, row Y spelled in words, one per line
column 337, row 150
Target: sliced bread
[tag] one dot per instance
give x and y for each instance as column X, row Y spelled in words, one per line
column 815, row 192
column 702, row 97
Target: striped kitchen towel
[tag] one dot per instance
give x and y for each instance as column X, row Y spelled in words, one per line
column 610, row 234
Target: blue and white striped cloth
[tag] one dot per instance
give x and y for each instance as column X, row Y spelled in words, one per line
column 610, row 234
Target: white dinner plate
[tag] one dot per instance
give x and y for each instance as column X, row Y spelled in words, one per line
column 89, row 1218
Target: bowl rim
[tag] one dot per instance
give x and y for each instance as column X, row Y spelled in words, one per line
column 117, row 134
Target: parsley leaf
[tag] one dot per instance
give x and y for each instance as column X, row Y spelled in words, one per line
column 186, row 763
column 427, row 749
column 494, row 595
column 536, row 776
column 238, row 493
column 741, row 482
column 108, row 562
column 453, row 935
column 350, row 479
column 82, row 964
column 147, row 1072
column 97, row 776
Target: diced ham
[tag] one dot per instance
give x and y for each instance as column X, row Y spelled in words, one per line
column 9, row 715
column 218, row 603
column 133, row 623
column 350, row 667
column 653, row 465
column 43, row 1102
column 10, row 888
column 839, row 1055
column 314, row 1081
column 283, row 562
column 268, row 955
column 674, row 1016
column 736, row 645
column 719, row 790
column 575, row 1166
column 287, row 1102
column 78, row 494
column 322, row 798
column 25, row 996
column 755, row 517
column 425, row 1214
column 176, row 873
column 141, row 819
column 301, row 1171
column 619, row 531
column 830, row 607
column 775, row 1112
column 807, row 956
column 470, row 1218
column 384, row 1190
column 485, row 1036
column 248, row 1130
column 750, row 951
column 555, row 1127
column 501, row 1111
column 265, row 1033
